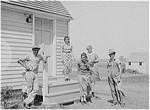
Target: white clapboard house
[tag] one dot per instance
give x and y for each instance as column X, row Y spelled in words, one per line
column 43, row 23
column 138, row 61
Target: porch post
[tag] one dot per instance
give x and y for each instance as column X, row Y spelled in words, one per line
column 33, row 30
column 45, row 76
column 54, row 49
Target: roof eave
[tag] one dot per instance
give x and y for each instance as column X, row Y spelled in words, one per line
column 14, row 6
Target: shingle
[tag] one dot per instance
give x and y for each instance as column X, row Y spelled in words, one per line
column 53, row 7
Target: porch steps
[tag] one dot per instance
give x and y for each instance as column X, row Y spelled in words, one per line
column 64, row 96
column 61, row 91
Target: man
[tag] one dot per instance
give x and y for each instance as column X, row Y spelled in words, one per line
column 114, row 79
column 31, row 64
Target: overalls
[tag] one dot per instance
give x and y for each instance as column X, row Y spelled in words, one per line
column 114, row 80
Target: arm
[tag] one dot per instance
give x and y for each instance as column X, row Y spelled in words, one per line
column 61, row 50
column 44, row 58
column 72, row 54
column 95, row 60
column 107, row 66
column 119, row 68
column 78, row 68
column 22, row 63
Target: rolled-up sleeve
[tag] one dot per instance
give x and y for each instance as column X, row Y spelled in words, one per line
column 25, row 58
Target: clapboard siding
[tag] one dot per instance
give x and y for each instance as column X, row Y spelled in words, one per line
column 15, row 21
column 61, row 32
column 14, row 45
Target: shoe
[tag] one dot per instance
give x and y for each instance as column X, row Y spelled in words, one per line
column 114, row 103
column 82, row 102
column 26, row 105
column 90, row 100
column 86, row 102
column 93, row 94
column 122, row 104
column 67, row 79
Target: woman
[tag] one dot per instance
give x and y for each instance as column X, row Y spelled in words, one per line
column 67, row 57
column 83, row 73
column 114, row 79
column 93, row 59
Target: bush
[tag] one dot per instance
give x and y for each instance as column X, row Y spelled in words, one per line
column 10, row 98
column 132, row 71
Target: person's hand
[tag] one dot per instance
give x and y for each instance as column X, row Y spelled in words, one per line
column 107, row 70
column 23, row 74
column 91, row 64
column 47, row 57
column 27, row 68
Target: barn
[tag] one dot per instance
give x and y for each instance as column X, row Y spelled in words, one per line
column 138, row 61
column 28, row 23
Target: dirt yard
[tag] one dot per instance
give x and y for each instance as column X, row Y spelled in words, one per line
column 136, row 89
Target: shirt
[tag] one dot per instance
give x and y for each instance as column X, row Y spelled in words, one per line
column 113, row 67
column 32, row 61
column 66, row 48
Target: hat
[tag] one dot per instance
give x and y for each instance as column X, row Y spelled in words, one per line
column 35, row 47
column 111, row 51
column 89, row 47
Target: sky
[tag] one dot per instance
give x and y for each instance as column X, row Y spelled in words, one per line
column 119, row 25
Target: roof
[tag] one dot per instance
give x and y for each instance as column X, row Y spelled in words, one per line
column 138, row 57
column 53, row 7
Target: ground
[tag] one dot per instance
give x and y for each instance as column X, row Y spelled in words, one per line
column 135, row 87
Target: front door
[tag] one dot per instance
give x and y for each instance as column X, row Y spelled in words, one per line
column 43, row 35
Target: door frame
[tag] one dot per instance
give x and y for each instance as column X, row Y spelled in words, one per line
column 54, row 74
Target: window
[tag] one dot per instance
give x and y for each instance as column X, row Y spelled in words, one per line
column 140, row 63
column 129, row 63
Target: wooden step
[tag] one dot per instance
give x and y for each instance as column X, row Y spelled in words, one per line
column 50, row 78
column 60, row 85
column 62, row 97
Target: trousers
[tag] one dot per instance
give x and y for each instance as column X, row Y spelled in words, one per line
column 116, row 92
column 83, row 83
column 32, row 86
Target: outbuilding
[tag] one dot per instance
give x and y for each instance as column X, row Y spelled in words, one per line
column 138, row 61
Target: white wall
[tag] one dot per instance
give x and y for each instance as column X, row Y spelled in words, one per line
column 136, row 66
column 61, row 32
column 16, row 42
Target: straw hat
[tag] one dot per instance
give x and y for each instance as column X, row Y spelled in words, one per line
column 36, row 47
column 111, row 51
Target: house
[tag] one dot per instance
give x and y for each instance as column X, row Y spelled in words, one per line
column 138, row 61
column 28, row 23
